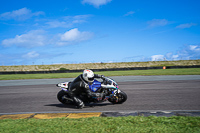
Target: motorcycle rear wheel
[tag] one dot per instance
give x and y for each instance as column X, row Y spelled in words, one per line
column 122, row 97
column 62, row 97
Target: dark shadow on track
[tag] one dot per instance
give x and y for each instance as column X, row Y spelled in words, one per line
column 61, row 105
column 73, row 106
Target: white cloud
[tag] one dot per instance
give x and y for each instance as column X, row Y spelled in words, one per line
column 31, row 39
column 68, row 21
column 71, row 35
column 189, row 52
column 186, row 53
column 20, row 14
column 168, row 55
column 174, row 57
column 129, row 13
column 157, row 57
column 81, row 17
column 74, row 36
column 56, row 24
column 157, row 22
column 37, row 38
column 96, row 3
column 78, row 19
column 187, row 25
column 31, row 54
column 195, row 48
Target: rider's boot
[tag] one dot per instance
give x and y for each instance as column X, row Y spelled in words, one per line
column 79, row 103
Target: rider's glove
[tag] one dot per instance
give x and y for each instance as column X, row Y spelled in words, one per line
column 103, row 77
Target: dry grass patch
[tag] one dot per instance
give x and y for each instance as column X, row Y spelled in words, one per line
column 98, row 65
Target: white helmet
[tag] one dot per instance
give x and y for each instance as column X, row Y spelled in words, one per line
column 88, row 75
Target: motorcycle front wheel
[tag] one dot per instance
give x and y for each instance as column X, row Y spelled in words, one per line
column 122, row 97
column 63, row 97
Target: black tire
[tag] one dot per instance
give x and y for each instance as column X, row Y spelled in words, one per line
column 122, row 97
column 60, row 96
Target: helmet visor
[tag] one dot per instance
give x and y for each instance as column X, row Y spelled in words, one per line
column 91, row 79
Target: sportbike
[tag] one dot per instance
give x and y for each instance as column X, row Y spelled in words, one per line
column 107, row 86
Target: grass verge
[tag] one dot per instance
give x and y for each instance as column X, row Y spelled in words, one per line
column 185, row 71
column 104, row 124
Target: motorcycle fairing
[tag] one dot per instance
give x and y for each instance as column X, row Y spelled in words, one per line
column 95, row 86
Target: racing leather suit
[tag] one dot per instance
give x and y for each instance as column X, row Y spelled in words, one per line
column 78, row 86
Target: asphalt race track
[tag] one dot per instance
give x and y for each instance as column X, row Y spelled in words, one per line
column 145, row 93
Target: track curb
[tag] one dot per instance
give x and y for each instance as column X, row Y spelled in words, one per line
column 50, row 115
column 100, row 114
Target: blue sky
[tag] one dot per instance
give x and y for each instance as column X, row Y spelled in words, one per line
column 88, row 31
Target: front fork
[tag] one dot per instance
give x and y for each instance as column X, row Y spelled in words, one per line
column 114, row 96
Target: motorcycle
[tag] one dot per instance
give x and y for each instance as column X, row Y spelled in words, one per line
column 108, row 86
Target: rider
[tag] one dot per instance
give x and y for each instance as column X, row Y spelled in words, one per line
column 80, row 84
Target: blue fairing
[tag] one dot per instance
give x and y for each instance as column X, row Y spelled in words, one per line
column 95, row 86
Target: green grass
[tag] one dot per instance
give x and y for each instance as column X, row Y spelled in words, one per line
column 187, row 71
column 138, row 124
